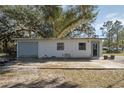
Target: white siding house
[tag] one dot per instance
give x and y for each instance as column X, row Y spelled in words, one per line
column 59, row 48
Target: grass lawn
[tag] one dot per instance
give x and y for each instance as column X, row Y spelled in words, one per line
column 62, row 78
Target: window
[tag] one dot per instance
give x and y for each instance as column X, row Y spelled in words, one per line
column 60, row 46
column 82, row 46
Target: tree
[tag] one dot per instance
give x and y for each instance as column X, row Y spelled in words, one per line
column 121, row 39
column 106, row 30
column 45, row 21
column 111, row 30
column 6, row 32
column 84, row 30
column 117, row 28
column 50, row 21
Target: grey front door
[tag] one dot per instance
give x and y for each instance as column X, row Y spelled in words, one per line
column 94, row 49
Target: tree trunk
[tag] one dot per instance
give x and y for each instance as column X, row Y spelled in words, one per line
column 5, row 46
column 109, row 42
column 117, row 41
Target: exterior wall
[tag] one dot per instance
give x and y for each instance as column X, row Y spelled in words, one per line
column 100, row 48
column 48, row 48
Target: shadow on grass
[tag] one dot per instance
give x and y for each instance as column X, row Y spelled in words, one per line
column 117, row 82
column 67, row 85
column 44, row 84
column 7, row 60
column 4, row 72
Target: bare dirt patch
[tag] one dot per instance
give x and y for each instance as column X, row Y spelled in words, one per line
column 41, row 78
column 62, row 74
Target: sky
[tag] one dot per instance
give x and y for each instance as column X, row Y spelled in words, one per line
column 108, row 12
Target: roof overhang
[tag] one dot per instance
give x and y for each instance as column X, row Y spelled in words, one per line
column 21, row 39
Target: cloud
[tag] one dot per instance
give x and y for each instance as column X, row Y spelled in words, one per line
column 97, row 28
column 114, row 17
column 111, row 15
column 119, row 18
column 98, row 25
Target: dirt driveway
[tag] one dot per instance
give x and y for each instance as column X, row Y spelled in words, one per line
column 60, row 73
column 67, row 63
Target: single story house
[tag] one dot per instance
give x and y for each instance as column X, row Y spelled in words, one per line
column 59, row 48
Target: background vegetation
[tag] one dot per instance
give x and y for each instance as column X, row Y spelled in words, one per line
column 114, row 33
column 51, row 21
column 44, row 22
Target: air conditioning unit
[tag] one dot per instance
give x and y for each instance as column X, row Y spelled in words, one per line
column 67, row 55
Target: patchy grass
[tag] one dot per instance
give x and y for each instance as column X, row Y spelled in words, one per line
column 62, row 78
column 116, row 54
column 2, row 54
column 54, row 74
